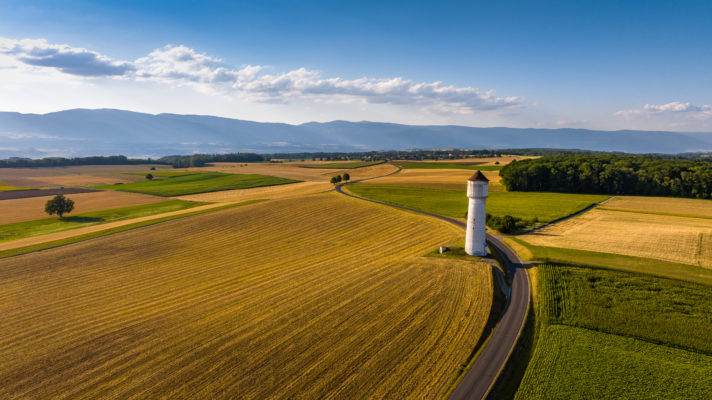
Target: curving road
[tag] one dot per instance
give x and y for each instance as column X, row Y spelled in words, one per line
column 483, row 373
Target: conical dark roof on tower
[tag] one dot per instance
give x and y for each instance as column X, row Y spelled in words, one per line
column 478, row 176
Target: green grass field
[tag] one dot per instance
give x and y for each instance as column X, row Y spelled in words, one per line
column 201, row 182
column 613, row 334
column 546, row 207
column 432, row 165
column 50, row 225
column 164, row 174
column 657, row 310
column 344, row 165
column 575, row 363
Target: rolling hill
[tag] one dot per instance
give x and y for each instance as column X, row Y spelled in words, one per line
column 82, row 132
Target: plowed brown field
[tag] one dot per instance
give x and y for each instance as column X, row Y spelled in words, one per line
column 325, row 297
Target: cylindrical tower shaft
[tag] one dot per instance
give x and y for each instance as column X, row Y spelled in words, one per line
column 475, row 236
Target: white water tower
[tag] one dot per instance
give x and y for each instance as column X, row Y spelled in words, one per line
column 475, row 238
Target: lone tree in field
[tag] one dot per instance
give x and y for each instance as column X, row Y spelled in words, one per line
column 59, row 205
column 149, row 176
column 333, row 180
column 346, row 177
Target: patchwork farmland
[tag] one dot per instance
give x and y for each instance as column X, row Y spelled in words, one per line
column 312, row 294
column 311, row 297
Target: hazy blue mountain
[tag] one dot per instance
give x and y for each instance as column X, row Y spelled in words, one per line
column 109, row 132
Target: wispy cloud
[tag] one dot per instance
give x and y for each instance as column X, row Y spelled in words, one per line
column 672, row 109
column 181, row 65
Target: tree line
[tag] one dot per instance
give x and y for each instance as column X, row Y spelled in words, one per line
column 612, row 174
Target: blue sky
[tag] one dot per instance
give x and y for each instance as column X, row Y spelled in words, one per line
column 588, row 64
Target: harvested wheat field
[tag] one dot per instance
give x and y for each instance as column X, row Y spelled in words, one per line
column 453, row 179
column 662, row 205
column 81, row 175
column 32, row 208
column 504, row 160
column 296, row 171
column 259, row 193
column 326, row 297
column 661, row 237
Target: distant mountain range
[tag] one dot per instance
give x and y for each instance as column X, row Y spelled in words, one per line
column 83, row 132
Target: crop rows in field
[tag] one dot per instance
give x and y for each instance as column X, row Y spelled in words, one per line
column 675, row 239
column 663, row 205
column 321, row 298
column 575, row 363
column 615, row 334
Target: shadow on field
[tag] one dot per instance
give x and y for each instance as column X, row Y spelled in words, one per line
column 83, row 220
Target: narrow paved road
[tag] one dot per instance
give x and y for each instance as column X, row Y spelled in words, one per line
column 480, row 378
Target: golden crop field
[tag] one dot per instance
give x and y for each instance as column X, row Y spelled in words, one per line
column 455, row 179
column 295, row 171
column 259, row 193
column 504, row 160
column 32, row 208
column 326, row 297
column 83, row 175
column 663, row 237
column 667, row 205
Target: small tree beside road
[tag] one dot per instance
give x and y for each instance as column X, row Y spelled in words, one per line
column 59, row 205
column 346, row 177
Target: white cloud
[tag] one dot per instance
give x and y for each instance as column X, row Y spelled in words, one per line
column 672, row 109
column 70, row 60
column 183, row 66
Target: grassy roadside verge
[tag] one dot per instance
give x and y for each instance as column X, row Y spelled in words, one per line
column 80, row 238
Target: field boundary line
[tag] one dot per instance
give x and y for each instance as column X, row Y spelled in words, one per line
column 574, row 215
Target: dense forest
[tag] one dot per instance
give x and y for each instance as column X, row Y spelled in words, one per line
column 611, row 174
column 199, row 160
column 17, row 162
